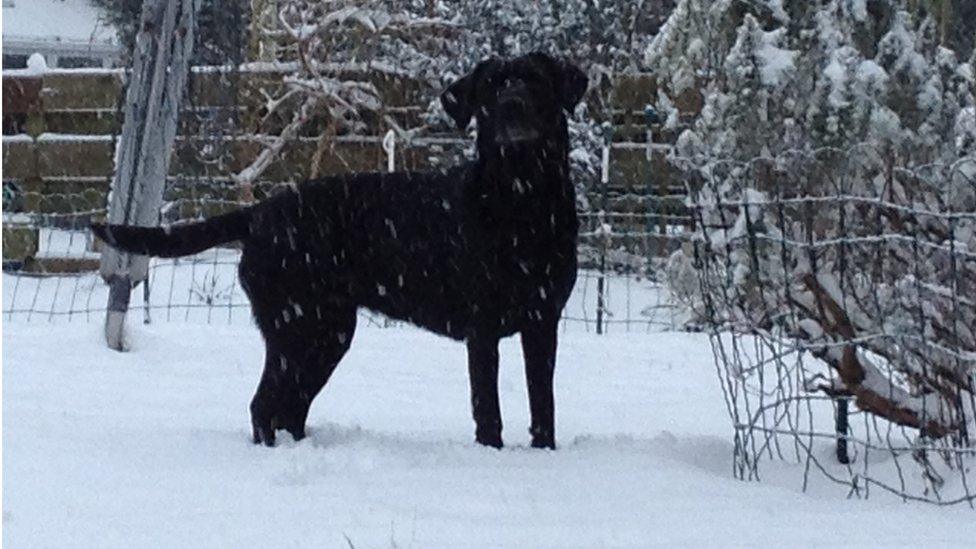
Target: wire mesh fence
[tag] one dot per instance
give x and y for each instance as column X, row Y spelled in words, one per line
column 62, row 283
column 288, row 100
column 204, row 289
column 58, row 166
column 54, row 278
column 837, row 286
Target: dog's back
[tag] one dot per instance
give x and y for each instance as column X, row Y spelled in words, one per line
column 431, row 248
column 393, row 243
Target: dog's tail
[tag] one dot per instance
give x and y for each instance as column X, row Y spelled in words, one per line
column 177, row 240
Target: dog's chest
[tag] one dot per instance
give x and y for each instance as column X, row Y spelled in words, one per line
column 526, row 258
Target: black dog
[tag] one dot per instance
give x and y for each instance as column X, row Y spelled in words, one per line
column 477, row 253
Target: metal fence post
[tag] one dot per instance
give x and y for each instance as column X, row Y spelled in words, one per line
column 842, row 428
column 160, row 67
column 650, row 119
column 604, row 229
column 389, row 146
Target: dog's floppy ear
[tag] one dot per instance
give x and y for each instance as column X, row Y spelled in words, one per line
column 458, row 100
column 460, row 97
column 572, row 83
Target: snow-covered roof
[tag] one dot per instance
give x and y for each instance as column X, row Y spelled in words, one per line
column 71, row 25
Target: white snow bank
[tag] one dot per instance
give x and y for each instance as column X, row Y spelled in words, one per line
column 150, row 448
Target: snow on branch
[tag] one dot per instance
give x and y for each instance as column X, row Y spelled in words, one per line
column 861, row 258
column 329, row 56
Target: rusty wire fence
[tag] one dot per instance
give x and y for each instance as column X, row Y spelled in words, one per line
column 837, row 287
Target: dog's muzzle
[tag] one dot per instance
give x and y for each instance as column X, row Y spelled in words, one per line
column 513, row 111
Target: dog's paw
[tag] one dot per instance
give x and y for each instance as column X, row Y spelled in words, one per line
column 266, row 422
column 543, row 439
column 263, row 435
column 296, row 431
column 546, row 444
column 263, row 423
column 494, row 441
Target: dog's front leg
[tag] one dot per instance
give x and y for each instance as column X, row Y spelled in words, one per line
column 483, row 373
column 539, row 350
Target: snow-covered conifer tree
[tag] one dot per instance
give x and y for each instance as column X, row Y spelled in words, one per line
column 834, row 158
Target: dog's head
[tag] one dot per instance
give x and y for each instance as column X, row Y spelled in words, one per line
column 517, row 101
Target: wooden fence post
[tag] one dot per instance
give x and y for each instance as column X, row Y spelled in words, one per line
column 160, row 67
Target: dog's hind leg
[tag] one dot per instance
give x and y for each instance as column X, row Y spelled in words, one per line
column 539, row 351
column 299, row 361
column 483, row 374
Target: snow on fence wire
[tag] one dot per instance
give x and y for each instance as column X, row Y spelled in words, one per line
column 839, row 291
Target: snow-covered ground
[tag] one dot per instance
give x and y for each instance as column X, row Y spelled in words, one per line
column 55, row 20
column 151, row 448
